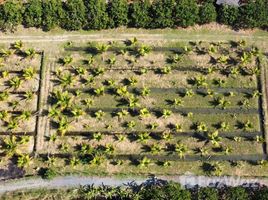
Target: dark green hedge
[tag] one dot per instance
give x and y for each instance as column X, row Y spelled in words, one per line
column 97, row 14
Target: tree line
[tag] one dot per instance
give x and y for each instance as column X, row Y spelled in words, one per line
column 98, row 14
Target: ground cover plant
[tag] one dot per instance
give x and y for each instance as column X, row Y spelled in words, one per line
column 134, row 107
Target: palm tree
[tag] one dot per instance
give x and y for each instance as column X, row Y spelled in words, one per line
column 214, row 138
column 181, row 149
column 29, row 95
column 256, row 94
column 86, row 149
column 99, row 114
column 166, row 70
column 245, row 58
column 67, row 60
column 90, row 60
column 10, row 145
column 77, row 112
column 122, row 113
column 30, row 53
column 122, row 91
column 224, row 126
column 145, row 91
column 88, row 102
column 166, row 113
column 153, row 125
column 133, row 41
column 166, row 136
column 3, row 115
column 63, row 125
column 28, row 73
column 260, row 139
column 97, row 136
column 79, row 70
column 131, row 124
column 121, row 138
column 223, row 59
column 155, row 148
column 177, row 102
column 203, row 151
column 4, row 95
column 23, row 160
column 212, row 49
column 144, row 112
column 234, row 71
column 15, row 82
column 25, row 115
column 74, row 161
column 97, row 160
column 133, row 101
column 98, row 71
column 5, row 74
column 216, row 168
column 54, row 113
column 66, row 80
column 132, row 81
column 144, row 137
column 111, row 61
column 12, row 124
column 14, row 104
column 144, row 163
column 143, row 50
column 175, row 58
column 99, row 91
column 248, row 125
column 222, row 102
column 245, row 103
column 201, row 127
column 6, row 52
column 109, row 149
column 101, row 48
column 63, row 99
column 219, row 82
column 18, row 45
column 200, row 81
column 52, row 138
column 188, row 93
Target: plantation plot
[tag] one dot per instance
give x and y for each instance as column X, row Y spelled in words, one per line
column 129, row 103
column 135, row 108
column 19, row 89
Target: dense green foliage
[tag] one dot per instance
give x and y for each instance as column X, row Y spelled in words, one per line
column 98, row 14
column 33, row 14
column 186, row 13
column 118, row 13
column 75, row 15
column 207, row 13
column 147, row 191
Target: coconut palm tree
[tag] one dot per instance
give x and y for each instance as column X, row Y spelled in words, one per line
column 181, row 149
column 216, row 169
column 122, row 91
column 166, row 136
column 121, row 138
column 177, row 102
column 4, row 95
column 245, row 103
column 214, row 138
column 188, row 93
column 30, row 53
column 12, row 124
column 63, row 99
column 111, row 61
column 144, row 162
column 256, row 94
column 200, row 81
column 97, row 160
column 143, row 50
column 145, row 91
column 18, row 45
column 212, row 49
column 219, row 82
column 77, row 112
column 54, row 113
column 109, row 149
column 10, row 145
column 133, row 101
column 222, row 102
column 133, row 41
column 29, row 95
column 177, row 127
column 25, row 115
column 144, row 137
column 175, row 58
column 98, row 71
column 203, row 151
column 66, row 80
column 97, row 136
column 14, row 104
column 248, row 125
column 74, row 161
column 166, row 113
column 101, row 48
column 67, row 60
column 79, row 70
column 223, row 59
column 28, row 73
column 15, row 82
column 63, row 125
column 201, row 127
column 245, row 58
column 224, row 126
column 131, row 124
column 99, row 91
column 52, row 137
column 155, row 148
column 132, row 81
column 99, row 114
column 88, row 102
column 90, row 60
column 234, row 71
column 122, row 113
column 23, row 160
column 144, row 112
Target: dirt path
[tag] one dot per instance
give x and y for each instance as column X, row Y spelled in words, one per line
column 74, row 181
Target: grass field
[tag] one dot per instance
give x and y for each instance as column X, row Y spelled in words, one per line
column 134, row 106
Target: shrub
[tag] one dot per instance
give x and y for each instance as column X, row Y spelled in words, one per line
column 118, row 13
column 52, row 14
column 186, row 13
column 161, row 13
column 74, row 15
column 208, row 194
column 10, row 15
column 139, row 14
column 33, row 14
column 207, row 13
column 237, row 193
column 48, row 173
column 228, row 15
column 261, row 194
column 97, row 17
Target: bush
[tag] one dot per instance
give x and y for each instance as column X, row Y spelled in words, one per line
column 139, row 14
column 170, row 191
column 10, row 15
column 52, row 14
column 97, row 17
column 207, row 13
column 208, row 194
column 48, row 173
column 254, row 14
column 118, row 13
column 186, row 13
column 161, row 13
column 261, row 194
column 33, row 14
column 237, row 193
column 228, row 15
column 74, row 15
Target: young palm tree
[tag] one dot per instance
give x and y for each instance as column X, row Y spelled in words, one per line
column 175, row 58
column 166, row 136
column 133, row 41
column 144, row 112
column 99, row 114
column 177, row 127
column 79, row 70
column 90, row 60
column 77, row 112
column 203, row 151
column 30, row 53
column 28, row 73
column 212, row 49
column 111, row 61
column 248, row 125
column 256, row 94
column 88, row 102
column 143, row 50
column 12, row 124
column 177, row 102
column 63, row 99
column 181, row 149
column 144, row 137
column 131, row 124
column 63, row 125
column 29, row 95
column 201, row 127
column 145, row 91
column 153, row 125
column 24, row 139
column 52, row 137
column 188, row 93
column 155, row 148
column 97, row 160
column 132, row 81
column 54, row 113
column 200, row 81
column 6, row 52
column 109, row 149
column 223, row 59
column 97, row 136
column 98, row 71
column 10, row 145
column 219, row 82
column 5, row 74
column 122, row 91
column 18, row 45
column 74, row 161
column 166, row 70
column 144, row 163
column 121, row 138
column 101, row 48
column 25, row 115
column 222, row 102
column 4, row 95
column 214, row 138
column 224, row 126
column 166, row 113
column 67, row 60
column 4, row 115
column 66, row 80
column 15, row 82
column 99, row 91
column 23, row 160
column 133, row 101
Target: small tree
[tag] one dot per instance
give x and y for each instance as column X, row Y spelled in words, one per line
column 207, row 13
column 118, row 13
column 139, row 14
column 33, row 13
